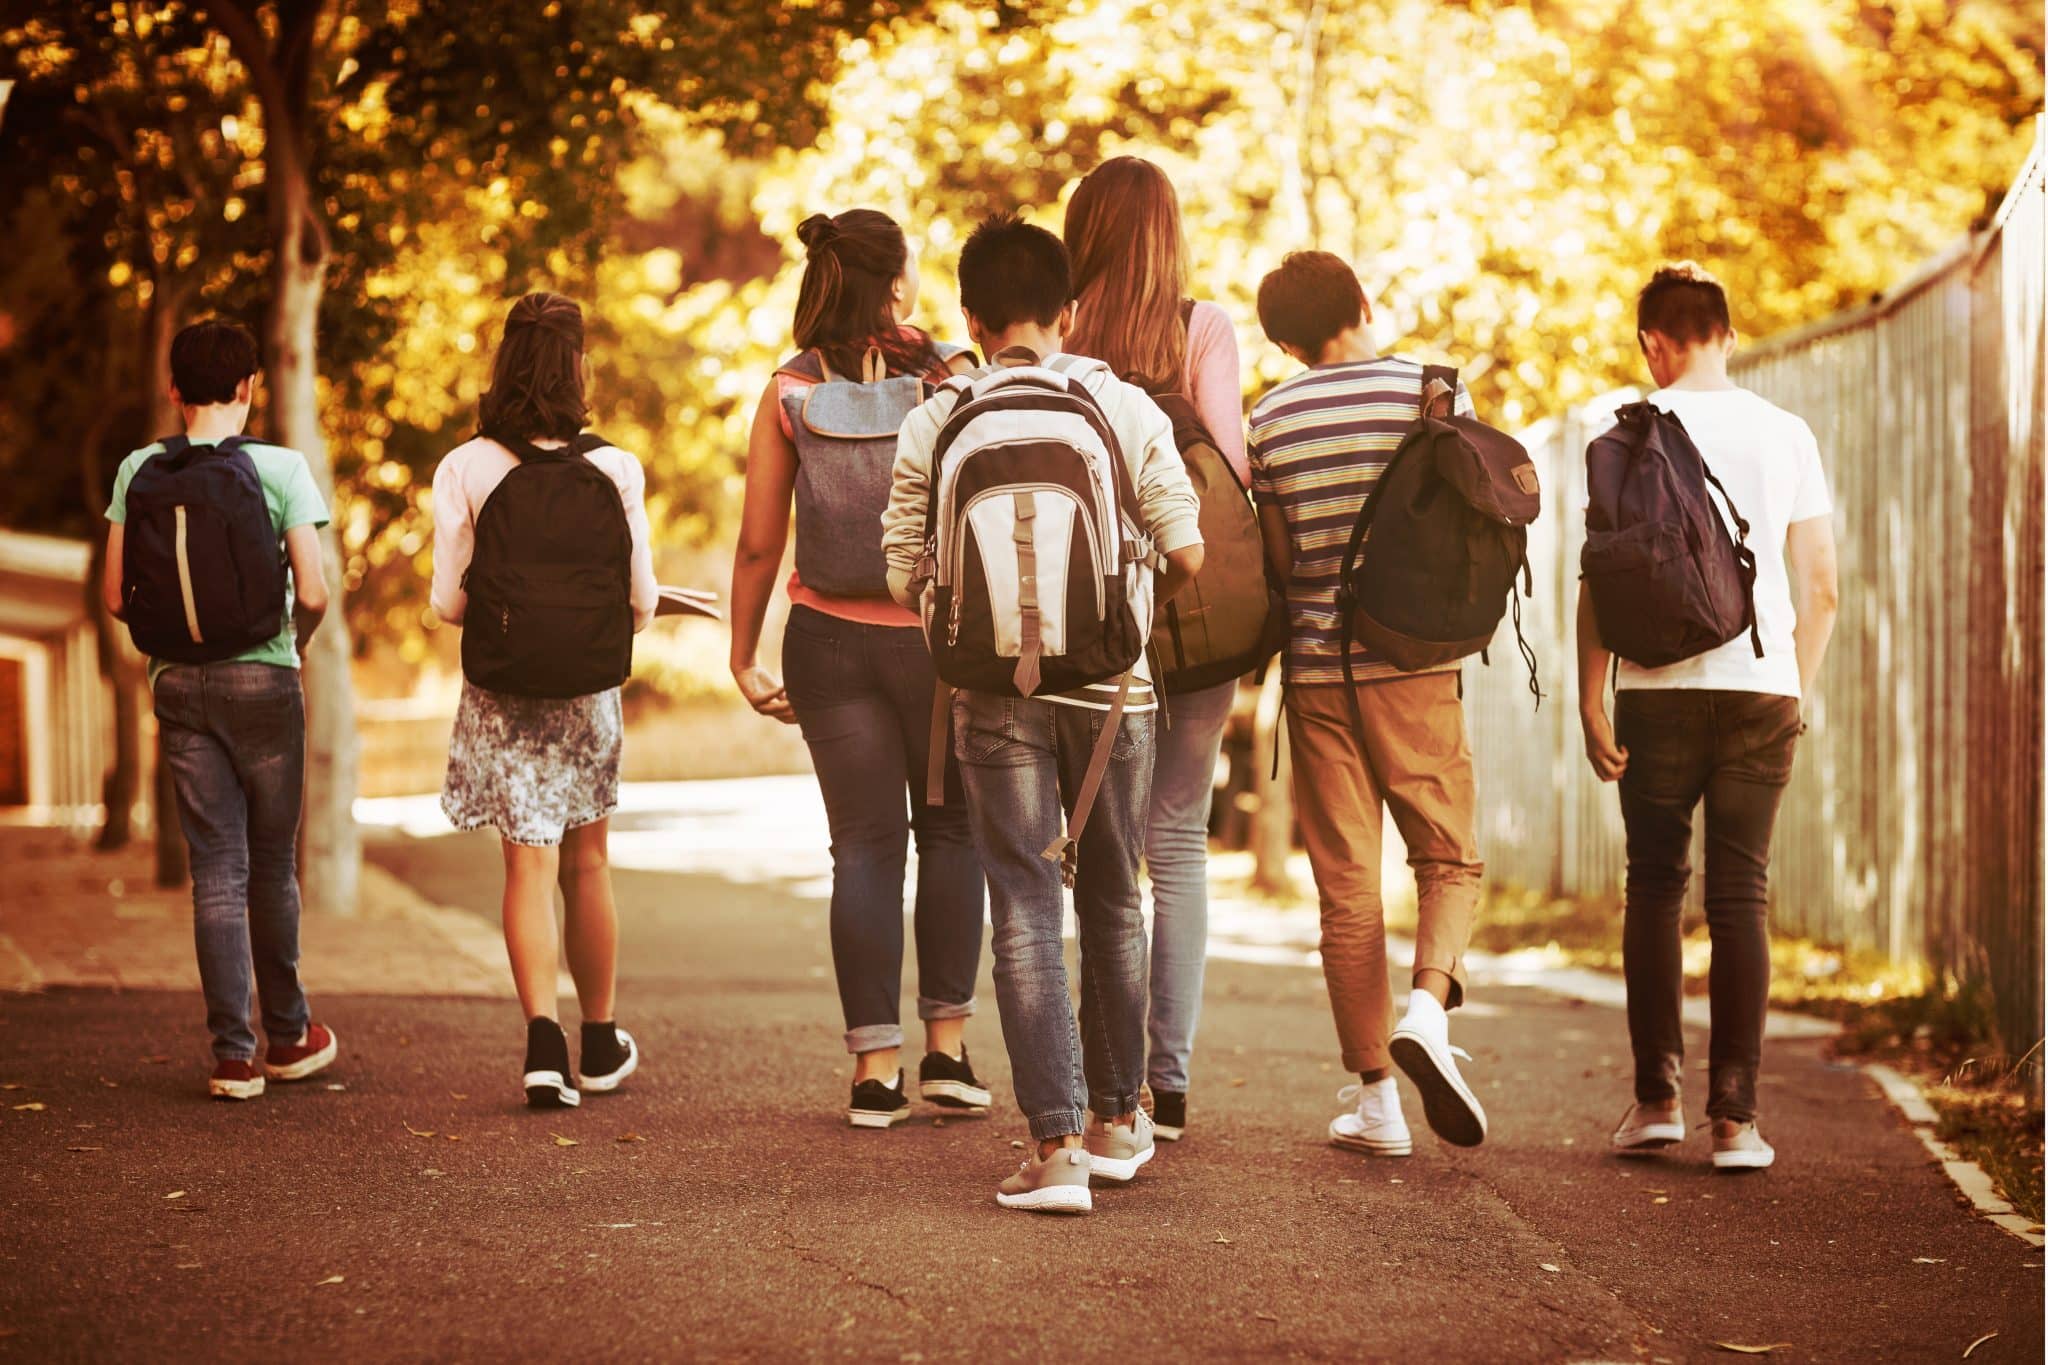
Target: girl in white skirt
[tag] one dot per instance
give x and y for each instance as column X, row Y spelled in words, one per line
column 543, row 769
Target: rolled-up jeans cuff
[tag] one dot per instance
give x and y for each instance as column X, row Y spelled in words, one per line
column 874, row 1037
column 1114, row 1105
column 1059, row 1123
column 928, row 1008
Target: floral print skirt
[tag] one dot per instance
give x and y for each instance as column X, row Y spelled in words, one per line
column 533, row 767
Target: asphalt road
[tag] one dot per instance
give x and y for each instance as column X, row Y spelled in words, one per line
column 747, row 1221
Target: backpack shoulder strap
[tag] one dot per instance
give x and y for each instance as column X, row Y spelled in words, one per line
column 1439, row 401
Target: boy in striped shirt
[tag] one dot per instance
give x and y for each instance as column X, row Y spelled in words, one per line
column 1319, row 442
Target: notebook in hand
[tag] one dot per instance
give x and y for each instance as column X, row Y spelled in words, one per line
column 687, row 602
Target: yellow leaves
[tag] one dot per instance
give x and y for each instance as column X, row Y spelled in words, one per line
column 629, row 1137
column 175, row 1194
column 332, row 1279
column 561, row 1141
column 1740, row 1349
column 417, row 1132
column 32, row 1107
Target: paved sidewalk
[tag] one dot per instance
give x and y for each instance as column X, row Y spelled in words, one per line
column 71, row 916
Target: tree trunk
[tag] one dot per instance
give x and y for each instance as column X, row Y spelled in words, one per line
column 166, row 312
column 1273, row 817
column 330, row 851
column 280, row 69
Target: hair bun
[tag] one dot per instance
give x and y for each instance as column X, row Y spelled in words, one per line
column 816, row 231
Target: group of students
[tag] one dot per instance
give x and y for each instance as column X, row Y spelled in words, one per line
column 1020, row 609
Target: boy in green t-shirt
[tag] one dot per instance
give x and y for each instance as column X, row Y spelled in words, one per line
column 234, row 736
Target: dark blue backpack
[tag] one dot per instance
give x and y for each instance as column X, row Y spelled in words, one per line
column 202, row 564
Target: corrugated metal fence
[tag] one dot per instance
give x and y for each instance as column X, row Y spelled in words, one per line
column 1914, row 822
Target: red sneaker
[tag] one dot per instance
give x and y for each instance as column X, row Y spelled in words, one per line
column 296, row 1061
column 235, row 1081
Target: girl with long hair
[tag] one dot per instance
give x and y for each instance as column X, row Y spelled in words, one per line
column 544, row 770
column 860, row 685
column 1134, row 311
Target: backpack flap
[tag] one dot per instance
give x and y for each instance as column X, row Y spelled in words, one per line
column 838, row 410
column 1490, row 469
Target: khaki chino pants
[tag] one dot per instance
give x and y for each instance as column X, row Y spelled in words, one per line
column 1414, row 759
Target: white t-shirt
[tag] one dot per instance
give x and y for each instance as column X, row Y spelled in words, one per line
column 1769, row 462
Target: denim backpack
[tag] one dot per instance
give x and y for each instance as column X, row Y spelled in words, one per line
column 845, row 432
column 1667, row 579
column 202, row 564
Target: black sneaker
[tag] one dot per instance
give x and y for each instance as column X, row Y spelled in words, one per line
column 609, row 1056
column 951, row 1082
column 876, row 1105
column 548, row 1084
column 1169, row 1115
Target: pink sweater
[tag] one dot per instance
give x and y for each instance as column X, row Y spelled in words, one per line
column 1215, row 383
column 469, row 473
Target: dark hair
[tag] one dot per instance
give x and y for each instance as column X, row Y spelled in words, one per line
column 1012, row 271
column 844, row 304
column 209, row 359
column 1685, row 303
column 1130, row 272
column 537, row 377
column 1311, row 298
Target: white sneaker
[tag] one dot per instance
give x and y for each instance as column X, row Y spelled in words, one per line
column 1645, row 1131
column 1375, row 1126
column 1115, row 1152
column 1739, row 1147
column 1421, row 1046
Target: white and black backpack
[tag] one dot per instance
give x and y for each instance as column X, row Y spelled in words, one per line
column 1038, row 573
column 1041, row 572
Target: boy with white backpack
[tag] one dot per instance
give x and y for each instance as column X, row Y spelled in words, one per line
column 1039, row 512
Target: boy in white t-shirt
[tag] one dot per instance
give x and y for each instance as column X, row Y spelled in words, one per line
column 1719, row 727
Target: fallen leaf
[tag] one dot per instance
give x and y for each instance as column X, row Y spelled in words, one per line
column 33, row 1107
column 1016, row 1144
column 81, row 1149
column 10, row 1085
column 561, row 1141
column 1661, row 1199
column 1237, row 1080
column 332, row 1279
column 430, row 1171
column 337, row 1085
column 1930, row 1260
column 111, row 1085
column 188, row 1265
column 1742, row 1350
column 629, row 1137
column 1978, row 1342
column 417, row 1132
column 1265, row 1317
column 175, row 1194
column 457, row 1095
column 1549, row 1267
column 452, row 1137
column 1222, row 1240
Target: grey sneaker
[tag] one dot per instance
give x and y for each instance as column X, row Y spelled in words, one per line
column 1056, row 1184
column 1115, row 1152
column 1647, row 1129
column 1739, row 1147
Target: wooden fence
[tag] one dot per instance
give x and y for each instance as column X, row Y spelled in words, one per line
column 1914, row 822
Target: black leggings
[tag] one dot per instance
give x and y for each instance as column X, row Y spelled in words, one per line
column 1734, row 751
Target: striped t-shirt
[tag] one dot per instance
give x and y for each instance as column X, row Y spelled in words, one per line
column 1318, row 444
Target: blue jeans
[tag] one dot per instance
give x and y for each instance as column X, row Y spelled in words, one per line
column 1022, row 761
column 863, row 698
column 1177, row 856
column 234, row 738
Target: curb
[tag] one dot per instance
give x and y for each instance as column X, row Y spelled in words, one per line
column 1910, row 1100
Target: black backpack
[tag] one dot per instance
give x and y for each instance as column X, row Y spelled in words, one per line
column 1448, row 540
column 550, row 584
column 202, row 564
column 1667, row 580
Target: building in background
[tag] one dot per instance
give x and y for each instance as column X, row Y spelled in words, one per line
column 55, row 713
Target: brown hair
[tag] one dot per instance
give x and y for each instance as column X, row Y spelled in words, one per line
column 1130, row 272
column 537, row 377
column 844, row 304
column 1685, row 303
column 1311, row 298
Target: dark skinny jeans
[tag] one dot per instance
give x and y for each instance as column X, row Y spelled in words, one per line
column 863, row 698
column 1734, row 751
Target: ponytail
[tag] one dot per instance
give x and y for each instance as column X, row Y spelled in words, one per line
column 844, row 304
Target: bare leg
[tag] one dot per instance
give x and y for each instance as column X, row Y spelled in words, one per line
column 945, row 1035
column 530, row 925
column 592, row 932
column 879, row 1065
column 1435, row 984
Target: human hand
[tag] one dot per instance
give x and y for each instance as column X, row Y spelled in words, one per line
column 1608, row 758
column 764, row 692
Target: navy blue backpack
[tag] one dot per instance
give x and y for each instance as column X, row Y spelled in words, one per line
column 202, row 565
